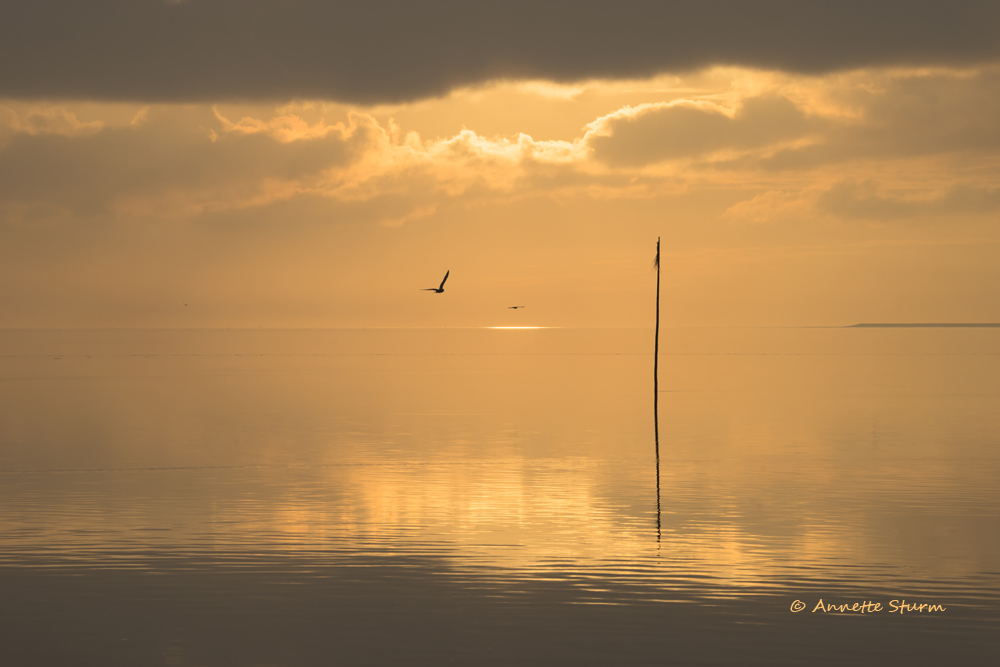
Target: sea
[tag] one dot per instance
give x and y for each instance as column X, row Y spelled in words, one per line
column 254, row 497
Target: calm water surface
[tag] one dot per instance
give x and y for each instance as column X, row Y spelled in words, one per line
column 489, row 497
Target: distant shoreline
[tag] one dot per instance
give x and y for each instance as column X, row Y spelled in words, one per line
column 965, row 325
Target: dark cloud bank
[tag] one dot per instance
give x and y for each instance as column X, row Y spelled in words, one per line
column 394, row 50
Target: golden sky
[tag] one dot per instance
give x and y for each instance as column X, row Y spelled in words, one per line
column 185, row 164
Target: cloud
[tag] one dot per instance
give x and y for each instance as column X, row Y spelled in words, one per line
column 185, row 160
column 396, row 50
column 171, row 160
column 852, row 199
column 658, row 132
column 771, row 206
column 865, row 200
column 772, row 141
column 903, row 114
column 794, row 124
column 46, row 120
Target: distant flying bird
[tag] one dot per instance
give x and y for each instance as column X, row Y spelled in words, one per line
column 438, row 289
column 515, row 307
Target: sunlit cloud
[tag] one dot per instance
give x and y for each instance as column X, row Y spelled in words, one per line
column 285, row 128
column 747, row 125
column 41, row 120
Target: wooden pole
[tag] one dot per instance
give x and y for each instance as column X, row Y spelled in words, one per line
column 656, row 347
column 656, row 388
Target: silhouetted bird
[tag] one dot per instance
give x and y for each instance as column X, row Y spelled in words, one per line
column 515, row 307
column 440, row 288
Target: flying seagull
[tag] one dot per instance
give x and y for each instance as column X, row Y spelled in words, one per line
column 515, row 307
column 440, row 288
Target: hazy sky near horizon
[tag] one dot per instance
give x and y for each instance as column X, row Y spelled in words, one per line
column 303, row 163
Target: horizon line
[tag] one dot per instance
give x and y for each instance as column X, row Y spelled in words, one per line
column 438, row 328
column 956, row 325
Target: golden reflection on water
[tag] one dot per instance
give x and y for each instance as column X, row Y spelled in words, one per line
column 784, row 453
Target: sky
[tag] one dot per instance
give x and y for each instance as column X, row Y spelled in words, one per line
column 296, row 163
